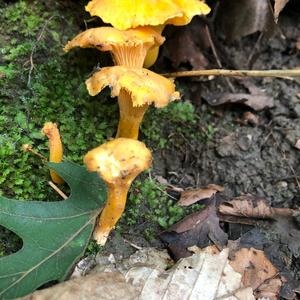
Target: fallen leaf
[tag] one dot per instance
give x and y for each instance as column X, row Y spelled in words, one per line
column 190, row 197
column 250, row 118
column 197, row 229
column 253, row 207
column 165, row 182
column 298, row 44
column 255, row 101
column 278, row 7
column 185, row 45
column 269, row 289
column 254, row 266
column 105, row 286
column 238, row 18
column 54, row 234
column 204, row 275
column 297, row 145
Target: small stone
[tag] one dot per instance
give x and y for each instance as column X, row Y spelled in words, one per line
column 282, row 184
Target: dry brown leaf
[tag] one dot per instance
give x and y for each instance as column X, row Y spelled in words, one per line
column 297, row 145
column 298, row 44
column 253, row 207
column 250, row 118
column 185, row 45
column 255, row 101
column 204, row 275
column 269, row 290
column 278, row 7
column 197, row 229
column 165, row 182
column 103, row 286
column 239, row 18
column 190, row 197
column 254, row 267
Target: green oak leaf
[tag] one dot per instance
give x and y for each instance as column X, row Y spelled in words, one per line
column 54, row 234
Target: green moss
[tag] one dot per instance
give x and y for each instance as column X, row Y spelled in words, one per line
column 149, row 202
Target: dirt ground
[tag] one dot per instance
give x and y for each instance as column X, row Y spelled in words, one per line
column 260, row 159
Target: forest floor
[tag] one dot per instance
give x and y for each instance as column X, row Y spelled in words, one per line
column 194, row 142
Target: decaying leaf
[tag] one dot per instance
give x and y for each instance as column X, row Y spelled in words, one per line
column 256, row 270
column 190, row 197
column 240, row 18
column 54, row 234
column 185, row 45
column 297, row 145
column 106, row 285
column 253, row 207
column 255, row 101
column 206, row 274
column 278, row 7
column 250, row 118
column 197, row 229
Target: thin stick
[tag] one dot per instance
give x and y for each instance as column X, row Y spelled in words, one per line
column 236, row 73
column 28, row 148
column 57, row 190
column 215, row 53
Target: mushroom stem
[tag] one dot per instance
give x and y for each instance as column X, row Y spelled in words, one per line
column 152, row 53
column 115, row 205
column 130, row 116
column 55, row 146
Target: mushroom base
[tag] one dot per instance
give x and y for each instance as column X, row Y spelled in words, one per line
column 115, row 205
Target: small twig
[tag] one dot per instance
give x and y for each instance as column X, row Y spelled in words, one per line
column 28, row 148
column 56, row 189
column 34, row 48
column 237, row 73
column 214, row 50
column 133, row 245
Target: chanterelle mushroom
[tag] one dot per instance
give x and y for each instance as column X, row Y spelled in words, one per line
column 55, row 147
column 137, row 89
column 124, row 14
column 128, row 48
column 118, row 162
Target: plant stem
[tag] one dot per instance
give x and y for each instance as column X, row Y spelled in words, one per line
column 237, row 73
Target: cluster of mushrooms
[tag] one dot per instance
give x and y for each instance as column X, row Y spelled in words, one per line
column 133, row 41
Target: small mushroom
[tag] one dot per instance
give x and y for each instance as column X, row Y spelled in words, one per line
column 118, row 162
column 124, row 14
column 128, row 48
column 137, row 89
column 55, row 147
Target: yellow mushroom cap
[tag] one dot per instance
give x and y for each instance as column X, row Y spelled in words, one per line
column 118, row 160
column 144, row 86
column 127, row 47
column 105, row 38
column 124, row 14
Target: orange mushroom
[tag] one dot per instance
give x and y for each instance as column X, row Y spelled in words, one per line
column 124, row 14
column 128, row 48
column 137, row 89
column 55, row 146
column 118, row 162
